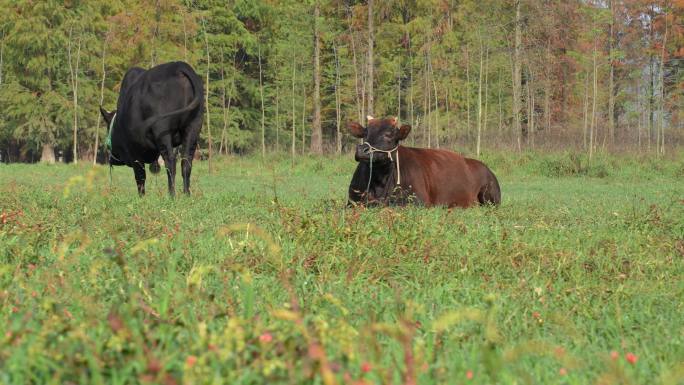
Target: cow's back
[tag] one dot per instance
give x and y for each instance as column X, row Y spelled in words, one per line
column 146, row 94
column 164, row 88
column 437, row 177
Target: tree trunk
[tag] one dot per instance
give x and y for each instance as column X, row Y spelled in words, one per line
column 223, row 102
column 338, row 103
column 651, row 90
column 486, row 91
column 263, row 110
column 73, row 70
column 364, row 82
column 467, row 90
column 359, row 104
column 155, row 32
column 316, row 130
column 500, row 104
column 371, row 42
column 206, row 96
column 448, row 115
column 303, row 118
column 548, row 90
column 399, row 95
column 516, row 75
column 2, row 52
column 640, row 114
column 479, row 100
column 434, row 88
column 661, row 144
column 611, row 76
column 48, row 154
column 651, row 102
column 185, row 39
column 411, row 103
column 593, row 105
column 531, row 111
column 294, row 117
column 277, row 114
column 428, row 99
column 586, row 110
column 102, row 84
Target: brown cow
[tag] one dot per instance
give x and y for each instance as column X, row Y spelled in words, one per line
column 391, row 174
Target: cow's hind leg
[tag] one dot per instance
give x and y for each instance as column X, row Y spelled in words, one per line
column 139, row 171
column 189, row 147
column 490, row 193
column 169, row 156
column 186, row 168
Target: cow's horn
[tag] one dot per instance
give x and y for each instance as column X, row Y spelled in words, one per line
column 395, row 121
column 369, row 118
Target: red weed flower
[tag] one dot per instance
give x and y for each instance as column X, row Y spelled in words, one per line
column 469, row 375
column 115, row 322
column 316, row 352
column 563, row 371
column 614, row 355
column 266, row 338
column 631, row 358
column 537, row 316
column 560, row 352
column 366, row 367
column 154, row 366
column 191, row 361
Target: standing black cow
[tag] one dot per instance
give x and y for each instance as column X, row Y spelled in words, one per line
column 158, row 109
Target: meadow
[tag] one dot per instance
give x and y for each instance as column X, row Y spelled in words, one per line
column 265, row 276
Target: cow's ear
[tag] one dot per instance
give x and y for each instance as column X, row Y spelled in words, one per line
column 356, row 129
column 404, row 131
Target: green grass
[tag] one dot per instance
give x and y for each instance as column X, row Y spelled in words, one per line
column 264, row 276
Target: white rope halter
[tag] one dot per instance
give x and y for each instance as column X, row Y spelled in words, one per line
column 373, row 150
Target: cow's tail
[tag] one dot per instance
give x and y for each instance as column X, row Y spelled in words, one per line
column 196, row 101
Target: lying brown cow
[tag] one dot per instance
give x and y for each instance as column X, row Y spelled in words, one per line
column 391, row 174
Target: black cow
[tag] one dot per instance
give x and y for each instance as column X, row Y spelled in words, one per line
column 158, row 110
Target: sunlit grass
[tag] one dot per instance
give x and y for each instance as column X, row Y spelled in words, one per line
column 264, row 276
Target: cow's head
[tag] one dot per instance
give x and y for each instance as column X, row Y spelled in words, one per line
column 107, row 116
column 380, row 134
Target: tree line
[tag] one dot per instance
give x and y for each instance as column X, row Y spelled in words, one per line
column 286, row 75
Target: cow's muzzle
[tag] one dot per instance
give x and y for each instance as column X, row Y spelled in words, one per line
column 365, row 151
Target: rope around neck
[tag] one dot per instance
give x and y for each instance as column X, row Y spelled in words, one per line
column 373, row 150
column 389, row 154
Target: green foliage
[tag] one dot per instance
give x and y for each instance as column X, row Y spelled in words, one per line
column 265, row 276
column 426, row 67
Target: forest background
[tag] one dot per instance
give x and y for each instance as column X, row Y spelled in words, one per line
column 579, row 75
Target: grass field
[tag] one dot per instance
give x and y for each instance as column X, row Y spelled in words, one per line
column 264, row 276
